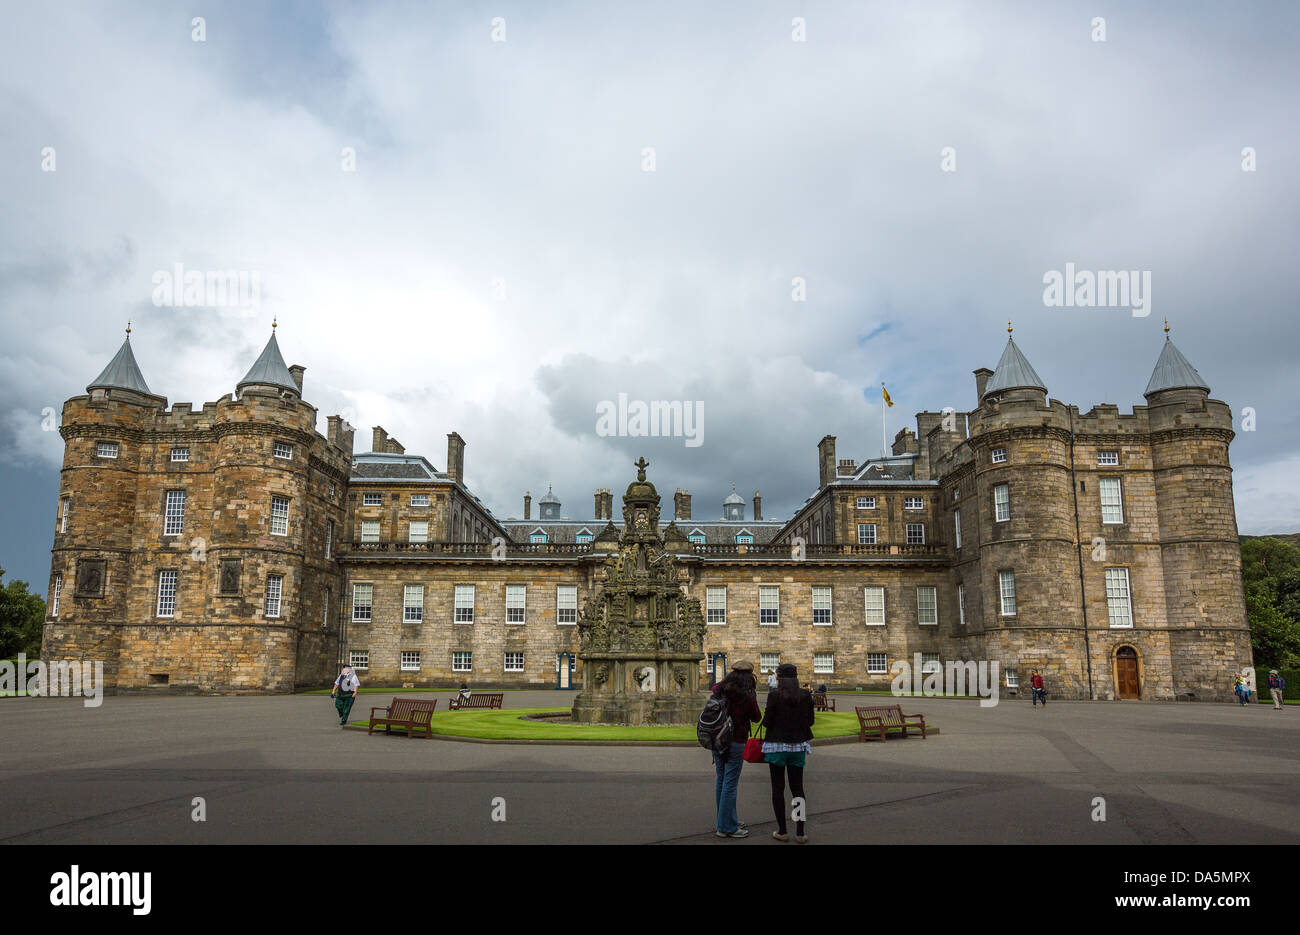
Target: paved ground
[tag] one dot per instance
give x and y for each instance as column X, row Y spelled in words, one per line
column 279, row 769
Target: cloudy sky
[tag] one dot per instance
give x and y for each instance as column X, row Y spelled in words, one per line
column 500, row 258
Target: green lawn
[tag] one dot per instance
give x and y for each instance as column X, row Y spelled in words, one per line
column 507, row 724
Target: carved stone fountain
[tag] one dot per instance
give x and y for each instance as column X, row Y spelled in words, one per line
column 642, row 637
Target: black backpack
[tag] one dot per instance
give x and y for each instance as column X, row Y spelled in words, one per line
column 714, row 729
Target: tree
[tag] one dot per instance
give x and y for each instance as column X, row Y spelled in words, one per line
column 1270, row 571
column 22, row 617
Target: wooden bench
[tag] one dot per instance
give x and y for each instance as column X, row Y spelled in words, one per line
column 882, row 719
column 477, row 700
column 823, row 702
column 406, row 713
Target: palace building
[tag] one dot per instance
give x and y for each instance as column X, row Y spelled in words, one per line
column 233, row 548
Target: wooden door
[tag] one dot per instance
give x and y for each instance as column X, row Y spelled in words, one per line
column 1126, row 673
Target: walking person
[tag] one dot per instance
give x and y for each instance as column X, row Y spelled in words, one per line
column 1276, row 687
column 1240, row 689
column 1037, row 688
column 346, row 688
column 787, row 723
column 739, row 691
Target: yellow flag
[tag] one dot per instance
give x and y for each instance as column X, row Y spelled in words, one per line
column 884, row 393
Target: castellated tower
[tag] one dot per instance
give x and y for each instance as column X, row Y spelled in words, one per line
column 1017, row 508
column 193, row 550
column 1199, row 550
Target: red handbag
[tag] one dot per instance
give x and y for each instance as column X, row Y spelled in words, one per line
column 754, row 749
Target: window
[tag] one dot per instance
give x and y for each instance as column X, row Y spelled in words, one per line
column 58, row 590
column 999, row 455
column 362, row 597
column 929, row 663
column 769, row 605
column 535, row 537
column 1112, row 505
column 281, row 450
column 876, row 664
column 961, row 605
column 372, row 499
column 823, row 663
column 325, row 610
column 516, row 595
column 566, row 604
column 180, row 454
column 697, row 538
column 916, row 533
column 821, row 603
column 514, row 662
column 1013, row 678
column 329, row 537
column 913, row 503
column 464, row 610
column 866, row 503
column 744, row 539
column 419, row 499
column 462, row 662
column 279, row 516
column 956, row 494
column 875, row 607
column 1118, row 604
column 106, row 450
column 274, row 585
column 927, row 609
column 418, row 531
column 412, row 603
column 359, row 658
column 1001, row 503
column 956, row 526
column 370, row 531
column 166, row 594
column 331, row 490
column 65, row 506
column 767, row 662
column 1108, row 457
column 866, row 533
column 573, row 662
column 411, row 660
column 174, row 513
column 716, row 604
column 1007, row 590
column 582, row 537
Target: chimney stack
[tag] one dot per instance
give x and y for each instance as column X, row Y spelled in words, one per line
column 378, row 439
column 981, row 380
column 600, row 503
column 758, row 506
column 609, row 505
column 456, row 458
column 825, row 461
column 528, row 505
column 682, row 504
column 297, row 371
column 332, row 433
column 848, row 467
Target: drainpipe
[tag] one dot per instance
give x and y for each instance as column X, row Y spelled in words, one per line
column 1083, row 600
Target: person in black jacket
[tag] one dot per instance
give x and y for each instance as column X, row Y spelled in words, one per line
column 738, row 689
column 788, row 724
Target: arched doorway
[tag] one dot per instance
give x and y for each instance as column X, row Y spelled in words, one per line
column 1127, row 684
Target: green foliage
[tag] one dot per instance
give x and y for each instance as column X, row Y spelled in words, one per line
column 1270, row 570
column 22, row 617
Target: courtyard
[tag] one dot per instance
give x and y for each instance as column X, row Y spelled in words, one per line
column 279, row 769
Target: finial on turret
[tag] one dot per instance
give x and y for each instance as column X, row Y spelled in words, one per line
column 128, row 330
column 1008, row 326
column 273, row 324
column 641, row 464
column 1166, row 326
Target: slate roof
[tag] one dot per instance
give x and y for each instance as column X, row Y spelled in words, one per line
column 269, row 369
column 716, row 532
column 379, row 466
column 1013, row 372
column 1173, row 372
column 122, row 373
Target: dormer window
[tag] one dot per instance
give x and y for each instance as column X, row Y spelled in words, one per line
column 537, row 536
column 744, row 538
column 697, row 538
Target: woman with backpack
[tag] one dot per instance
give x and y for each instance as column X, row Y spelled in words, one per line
column 738, row 692
column 788, row 724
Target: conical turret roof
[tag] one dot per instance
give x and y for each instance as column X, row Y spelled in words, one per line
column 1173, row 372
column 1013, row 372
column 122, row 373
column 269, row 369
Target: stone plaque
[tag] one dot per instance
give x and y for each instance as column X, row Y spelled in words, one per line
column 90, row 577
column 229, row 577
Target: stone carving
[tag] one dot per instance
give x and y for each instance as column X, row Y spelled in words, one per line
column 90, row 577
column 229, row 576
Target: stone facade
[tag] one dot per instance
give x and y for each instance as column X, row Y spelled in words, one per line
column 1091, row 545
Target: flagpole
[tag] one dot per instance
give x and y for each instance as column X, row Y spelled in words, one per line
column 883, row 436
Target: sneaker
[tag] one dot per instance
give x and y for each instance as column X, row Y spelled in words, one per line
column 741, row 832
